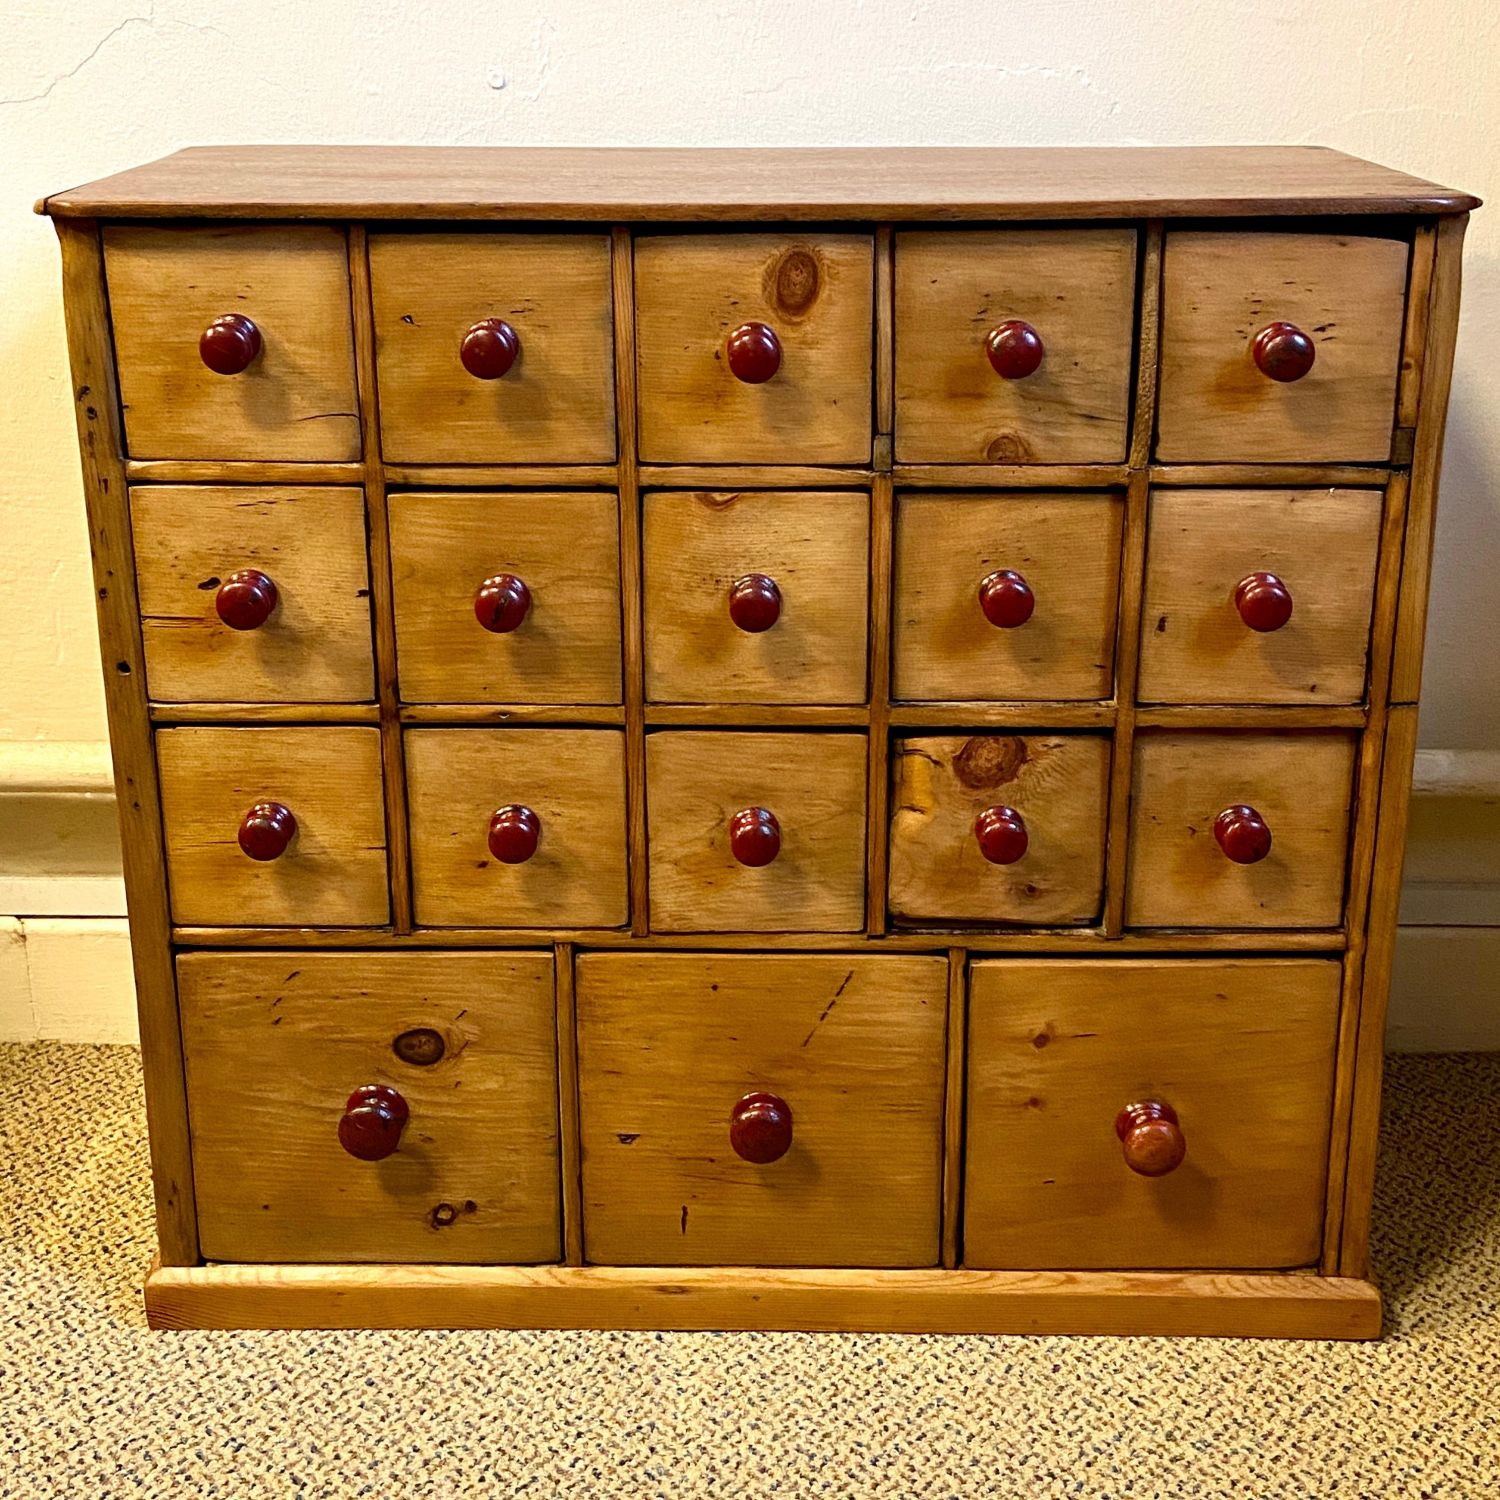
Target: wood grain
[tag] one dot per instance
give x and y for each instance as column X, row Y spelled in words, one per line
column 567, row 1105
column 957, row 1044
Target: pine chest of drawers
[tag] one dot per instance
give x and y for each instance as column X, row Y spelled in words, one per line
column 763, row 739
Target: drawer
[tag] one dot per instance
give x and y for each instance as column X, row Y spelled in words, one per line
column 757, row 597
column 756, row 832
column 517, row 827
column 494, row 348
column 835, row 1161
column 275, row 1045
column 1005, row 596
column 1230, row 1059
column 1259, row 596
column 754, row 348
column 284, row 386
column 507, row 598
column 307, row 802
column 1014, row 346
column 1227, row 298
column 998, row 827
column 253, row 595
column 1239, row 830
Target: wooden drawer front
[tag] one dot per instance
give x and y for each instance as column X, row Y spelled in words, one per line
column 564, row 548
column 942, row 786
column 1241, row 1050
column 1298, row 783
column 1074, row 288
column 197, row 551
column 296, row 398
column 813, row 785
column 275, row 1043
column 669, row 1044
column 1221, row 290
column 814, row 549
column 1207, row 547
column 333, row 870
column 814, row 292
column 572, row 781
column 556, row 402
column 949, row 548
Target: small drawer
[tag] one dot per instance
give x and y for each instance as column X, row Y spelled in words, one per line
column 1014, row 346
column 1239, row 830
column 1259, row 596
column 757, row 597
column 1279, row 347
column 297, row 1157
column 1086, row 1077
column 253, row 595
column 494, row 348
column 756, row 832
column 517, row 827
column 274, row 827
column 507, row 598
column 234, row 341
column 1005, row 596
column 754, row 348
column 761, row 1110
column 998, row 827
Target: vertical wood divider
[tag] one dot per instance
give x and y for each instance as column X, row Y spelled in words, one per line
column 953, row 1106
column 570, row 1153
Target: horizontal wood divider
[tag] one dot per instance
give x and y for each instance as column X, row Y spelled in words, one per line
column 265, row 713
column 753, row 476
column 1010, row 476
column 502, row 476
column 240, row 471
column 1371, row 476
column 512, row 713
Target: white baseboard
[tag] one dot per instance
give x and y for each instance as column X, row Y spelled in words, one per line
column 66, row 979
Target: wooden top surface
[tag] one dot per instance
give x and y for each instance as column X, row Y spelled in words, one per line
column 495, row 182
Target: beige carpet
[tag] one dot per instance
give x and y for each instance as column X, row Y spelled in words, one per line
column 91, row 1405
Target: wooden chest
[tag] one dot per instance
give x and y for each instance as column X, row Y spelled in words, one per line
column 806, row 739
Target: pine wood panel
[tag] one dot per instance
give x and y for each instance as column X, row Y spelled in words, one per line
column 669, row 1042
column 563, row 546
column 557, row 402
column 1067, row 547
column 815, row 546
column 276, row 1042
column 1243, row 1051
column 296, row 401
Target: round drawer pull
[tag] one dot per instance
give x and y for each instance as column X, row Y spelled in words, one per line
column 754, row 603
column 1243, row 835
column 1006, row 599
column 515, row 832
column 266, row 830
column 1264, row 602
column 1015, row 349
column 1282, row 352
column 760, row 1128
column 373, row 1120
column 754, row 353
column 754, row 836
column 1002, row 836
column 228, row 345
column 1150, row 1137
column 246, row 599
column 502, row 603
column 489, row 349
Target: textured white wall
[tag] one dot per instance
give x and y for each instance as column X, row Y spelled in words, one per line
column 91, row 86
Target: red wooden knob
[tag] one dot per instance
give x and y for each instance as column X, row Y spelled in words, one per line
column 489, row 349
column 266, row 830
column 754, row 353
column 515, row 832
column 374, row 1118
column 228, row 345
column 1001, row 834
column 502, row 603
column 754, row 602
column 754, row 836
column 1264, row 601
column 1283, row 352
column 1015, row 349
column 1151, row 1137
column 245, row 599
column 760, row 1128
column 1243, row 834
column 1006, row 599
